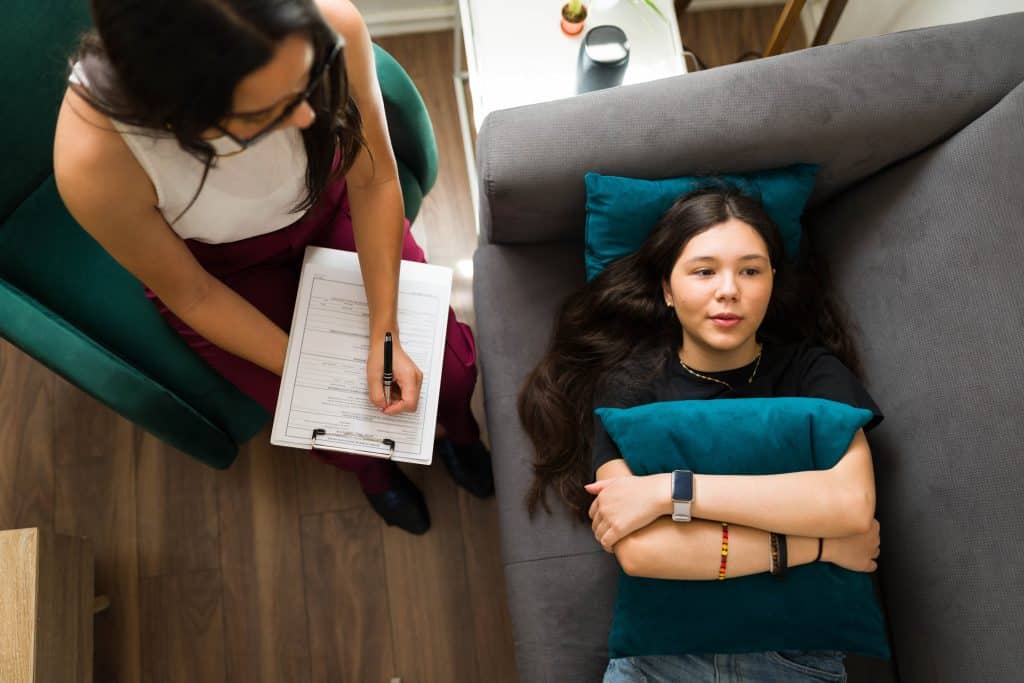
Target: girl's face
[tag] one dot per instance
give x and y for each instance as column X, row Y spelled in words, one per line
column 261, row 97
column 720, row 288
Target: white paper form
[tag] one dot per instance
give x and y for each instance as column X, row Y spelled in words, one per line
column 324, row 380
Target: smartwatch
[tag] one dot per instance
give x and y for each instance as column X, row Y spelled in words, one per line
column 682, row 495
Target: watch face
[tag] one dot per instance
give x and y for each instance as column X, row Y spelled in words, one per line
column 682, row 485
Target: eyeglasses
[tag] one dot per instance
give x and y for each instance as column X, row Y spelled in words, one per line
column 316, row 79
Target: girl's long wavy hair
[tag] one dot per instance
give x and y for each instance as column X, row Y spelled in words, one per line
column 617, row 330
column 171, row 66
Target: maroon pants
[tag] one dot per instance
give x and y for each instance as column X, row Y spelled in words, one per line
column 265, row 271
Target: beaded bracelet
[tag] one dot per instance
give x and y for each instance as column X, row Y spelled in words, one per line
column 725, row 551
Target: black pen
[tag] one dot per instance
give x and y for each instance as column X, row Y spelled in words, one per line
column 388, row 376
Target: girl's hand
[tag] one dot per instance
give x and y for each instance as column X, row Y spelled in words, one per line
column 625, row 504
column 405, row 389
column 857, row 553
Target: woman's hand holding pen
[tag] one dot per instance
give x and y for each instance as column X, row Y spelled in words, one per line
column 625, row 504
column 405, row 391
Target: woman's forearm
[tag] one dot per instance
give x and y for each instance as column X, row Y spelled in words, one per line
column 227, row 320
column 377, row 223
column 374, row 191
column 693, row 551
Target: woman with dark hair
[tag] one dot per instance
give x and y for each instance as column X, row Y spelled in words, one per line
column 707, row 308
column 204, row 144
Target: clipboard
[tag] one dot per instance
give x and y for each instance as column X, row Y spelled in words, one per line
column 323, row 402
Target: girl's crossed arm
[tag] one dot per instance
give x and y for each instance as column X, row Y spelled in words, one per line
column 837, row 504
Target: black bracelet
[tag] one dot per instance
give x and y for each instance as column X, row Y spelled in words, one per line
column 821, row 544
column 773, row 553
column 783, row 556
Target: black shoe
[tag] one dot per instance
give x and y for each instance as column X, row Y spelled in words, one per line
column 402, row 505
column 470, row 466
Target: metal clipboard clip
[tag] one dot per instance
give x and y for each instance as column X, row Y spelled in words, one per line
column 322, row 440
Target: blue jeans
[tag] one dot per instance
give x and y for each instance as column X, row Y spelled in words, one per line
column 785, row 666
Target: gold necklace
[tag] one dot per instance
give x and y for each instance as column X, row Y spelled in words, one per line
column 750, row 379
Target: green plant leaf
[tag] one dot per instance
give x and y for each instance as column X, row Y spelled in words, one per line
column 654, row 6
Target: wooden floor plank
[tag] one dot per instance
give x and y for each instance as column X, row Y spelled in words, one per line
column 176, row 509
column 26, row 441
column 324, row 488
column 347, row 603
column 95, row 482
column 492, row 626
column 264, row 601
column 428, row 592
column 182, row 621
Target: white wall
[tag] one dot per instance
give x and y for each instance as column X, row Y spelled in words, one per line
column 863, row 18
column 389, row 17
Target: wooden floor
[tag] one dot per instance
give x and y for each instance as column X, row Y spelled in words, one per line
column 276, row 570
column 721, row 37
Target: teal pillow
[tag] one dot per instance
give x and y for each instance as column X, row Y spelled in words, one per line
column 621, row 212
column 817, row 606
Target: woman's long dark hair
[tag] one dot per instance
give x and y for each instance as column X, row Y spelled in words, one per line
column 617, row 329
column 171, row 66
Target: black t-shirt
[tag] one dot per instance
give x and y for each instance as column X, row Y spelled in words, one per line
column 797, row 369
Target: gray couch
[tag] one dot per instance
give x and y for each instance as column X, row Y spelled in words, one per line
column 918, row 209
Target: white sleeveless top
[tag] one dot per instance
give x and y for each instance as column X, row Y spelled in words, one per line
column 247, row 194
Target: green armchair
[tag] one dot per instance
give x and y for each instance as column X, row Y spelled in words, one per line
column 66, row 303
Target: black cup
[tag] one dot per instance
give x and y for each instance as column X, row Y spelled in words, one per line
column 603, row 58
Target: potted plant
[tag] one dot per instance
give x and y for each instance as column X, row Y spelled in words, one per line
column 574, row 13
